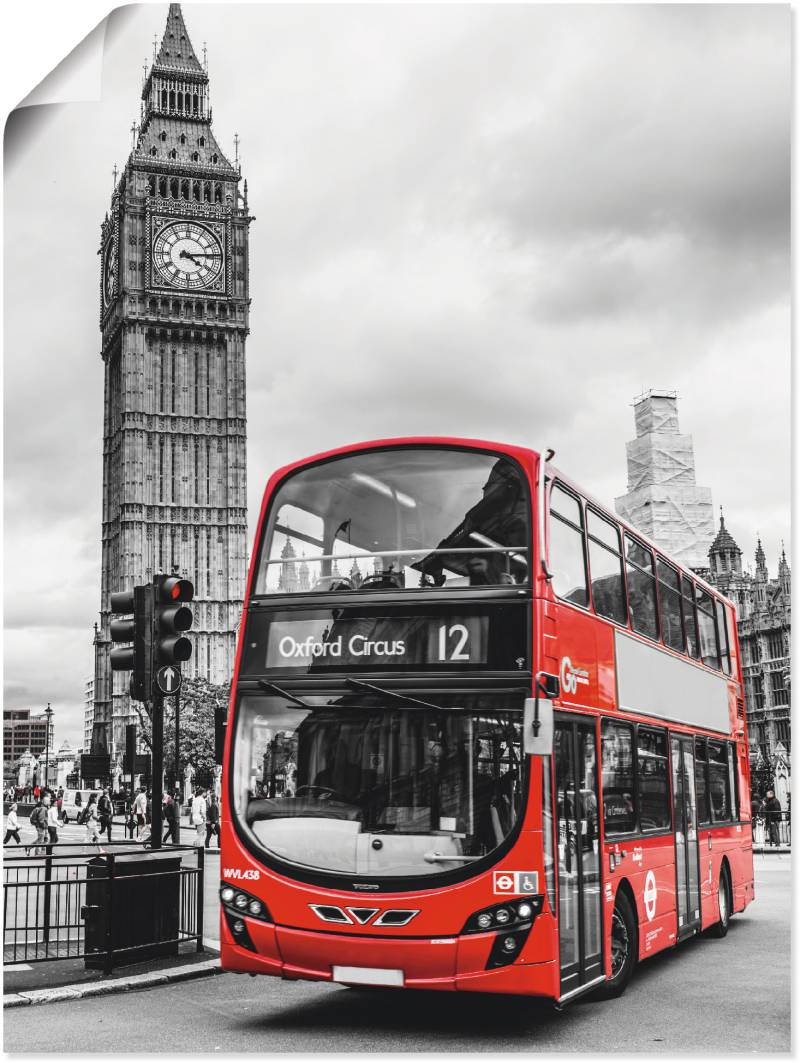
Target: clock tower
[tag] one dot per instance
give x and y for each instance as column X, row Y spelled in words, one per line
column 174, row 316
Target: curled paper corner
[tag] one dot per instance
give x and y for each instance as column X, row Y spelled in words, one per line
column 78, row 78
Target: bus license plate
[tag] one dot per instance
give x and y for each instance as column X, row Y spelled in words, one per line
column 368, row 976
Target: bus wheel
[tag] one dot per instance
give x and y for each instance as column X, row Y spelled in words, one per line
column 624, row 949
column 720, row 929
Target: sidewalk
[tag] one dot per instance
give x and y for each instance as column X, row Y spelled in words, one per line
column 62, row 979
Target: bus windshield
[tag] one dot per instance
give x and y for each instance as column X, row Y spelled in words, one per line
column 363, row 784
column 395, row 519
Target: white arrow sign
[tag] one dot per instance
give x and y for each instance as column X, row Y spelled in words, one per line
column 168, row 680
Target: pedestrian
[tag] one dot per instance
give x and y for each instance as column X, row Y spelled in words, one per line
column 105, row 813
column 212, row 819
column 140, row 811
column 91, row 820
column 198, row 816
column 52, row 819
column 772, row 812
column 37, row 792
column 39, row 821
column 12, row 825
column 170, row 819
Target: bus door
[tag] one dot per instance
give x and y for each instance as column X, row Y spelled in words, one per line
column 579, row 900
column 684, row 806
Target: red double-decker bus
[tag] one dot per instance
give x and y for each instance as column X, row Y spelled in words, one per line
column 483, row 735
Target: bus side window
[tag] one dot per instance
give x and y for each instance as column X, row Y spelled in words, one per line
column 733, row 780
column 652, row 779
column 690, row 617
column 722, row 630
column 701, row 780
column 605, row 564
column 641, row 588
column 719, row 781
column 709, row 650
column 619, row 807
column 670, row 601
column 567, row 549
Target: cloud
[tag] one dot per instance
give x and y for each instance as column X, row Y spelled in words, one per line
column 491, row 221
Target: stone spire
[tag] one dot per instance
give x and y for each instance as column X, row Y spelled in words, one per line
column 761, row 563
column 176, row 123
column 785, row 574
column 305, row 576
column 761, row 579
column 176, row 52
column 288, row 577
column 724, row 555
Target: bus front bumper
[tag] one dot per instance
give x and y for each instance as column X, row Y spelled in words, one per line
column 454, row 963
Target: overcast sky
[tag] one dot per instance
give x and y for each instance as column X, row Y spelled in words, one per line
column 500, row 222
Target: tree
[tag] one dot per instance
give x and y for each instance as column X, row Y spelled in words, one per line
column 198, row 702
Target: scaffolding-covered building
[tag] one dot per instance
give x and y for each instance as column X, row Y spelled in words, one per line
column 664, row 500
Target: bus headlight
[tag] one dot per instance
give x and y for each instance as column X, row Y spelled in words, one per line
column 506, row 916
column 236, row 902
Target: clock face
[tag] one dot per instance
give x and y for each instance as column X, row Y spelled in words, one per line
column 187, row 255
column 109, row 273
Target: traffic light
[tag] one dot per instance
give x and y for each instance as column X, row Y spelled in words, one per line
column 135, row 658
column 171, row 617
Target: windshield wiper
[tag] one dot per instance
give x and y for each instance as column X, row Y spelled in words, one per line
column 273, row 688
column 393, row 694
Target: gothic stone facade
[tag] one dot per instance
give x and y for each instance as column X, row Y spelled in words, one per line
column 764, row 607
column 174, row 292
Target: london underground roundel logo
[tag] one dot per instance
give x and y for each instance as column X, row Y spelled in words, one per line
column 650, row 894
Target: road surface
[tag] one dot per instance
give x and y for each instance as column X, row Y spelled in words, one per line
column 721, row 996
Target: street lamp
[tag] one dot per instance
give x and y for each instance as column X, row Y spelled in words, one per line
column 49, row 714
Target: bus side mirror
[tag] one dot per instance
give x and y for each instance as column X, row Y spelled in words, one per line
column 538, row 716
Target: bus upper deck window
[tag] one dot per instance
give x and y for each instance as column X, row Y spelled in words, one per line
column 397, row 519
column 722, row 631
column 567, row 549
column 641, row 588
column 709, row 650
column 670, row 602
column 690, row 617
column 605, row 563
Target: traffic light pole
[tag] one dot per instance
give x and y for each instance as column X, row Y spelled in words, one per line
column 177, row 767
column 156, row 819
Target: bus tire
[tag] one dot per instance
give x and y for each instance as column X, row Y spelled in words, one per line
column 624, row 948
column 724, row 903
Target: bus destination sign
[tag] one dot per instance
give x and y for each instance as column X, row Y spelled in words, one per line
column 348, row 640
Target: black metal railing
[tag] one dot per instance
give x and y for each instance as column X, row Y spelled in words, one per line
column 772, row 829
column 110, row 904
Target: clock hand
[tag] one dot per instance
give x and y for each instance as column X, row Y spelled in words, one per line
column 185, row 254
